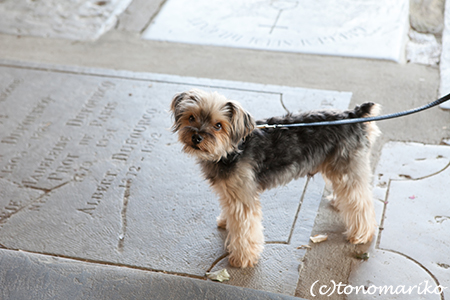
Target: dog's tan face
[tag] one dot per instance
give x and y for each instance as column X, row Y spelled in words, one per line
column 209, row 125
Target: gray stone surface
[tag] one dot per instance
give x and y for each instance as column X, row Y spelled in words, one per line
column 76, row 19
column 282, row 257
column 411, row 185
column 138, row 15
column 104, row 179
column 34, row 276
column 423, row 49
column 347, row 28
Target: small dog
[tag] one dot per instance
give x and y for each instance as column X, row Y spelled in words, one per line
column 241, row 161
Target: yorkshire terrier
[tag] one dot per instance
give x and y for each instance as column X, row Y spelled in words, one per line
column 240, row 161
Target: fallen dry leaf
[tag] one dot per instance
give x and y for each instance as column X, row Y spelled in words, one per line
column 319, row 238
column 220, row 275
column 363, row 256
column 304, row 247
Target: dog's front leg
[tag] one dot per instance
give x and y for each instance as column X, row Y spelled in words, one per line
column 245, row 232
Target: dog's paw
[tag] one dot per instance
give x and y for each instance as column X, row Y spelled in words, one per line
column 334, row 202
column 221, row 222
column 242, row 262
column 362, row 229
column 361, row 239
column 248, row 256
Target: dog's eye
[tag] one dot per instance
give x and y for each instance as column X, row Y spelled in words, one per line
column 191, row 119
column 218, row 126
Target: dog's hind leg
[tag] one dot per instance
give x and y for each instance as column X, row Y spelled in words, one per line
column 354, row 202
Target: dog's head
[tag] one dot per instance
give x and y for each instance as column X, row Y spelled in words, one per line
column 209, row 125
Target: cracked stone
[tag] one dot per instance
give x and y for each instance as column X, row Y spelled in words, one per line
column 14, row 198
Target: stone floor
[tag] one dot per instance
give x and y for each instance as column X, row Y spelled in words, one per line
column 105, row 179
column 414, row 222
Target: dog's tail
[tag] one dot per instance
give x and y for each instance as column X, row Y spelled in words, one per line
column 365, row 110
column 368, row 109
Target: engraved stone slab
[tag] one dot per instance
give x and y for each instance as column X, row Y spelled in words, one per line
column 90, row 170
column 35, row 276
column 76, row 19
column 415, row 222
column 370, row 29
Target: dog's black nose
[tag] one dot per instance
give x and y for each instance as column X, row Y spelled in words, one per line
column 197, row 138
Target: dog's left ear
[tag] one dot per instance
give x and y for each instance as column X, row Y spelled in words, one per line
column 242, row 123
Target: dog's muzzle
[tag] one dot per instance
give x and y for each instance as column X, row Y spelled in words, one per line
column 197, row 139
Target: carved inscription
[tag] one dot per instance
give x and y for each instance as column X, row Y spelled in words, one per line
column 29, row 120
column 47, row 161
column 104, row 140
column 90, row 104
column 12, row 164
column 99, row 193
column 86, row 139
column 131, row 174
column 82, row 147
column 105, row 114
column 64, row 168
column 12, row 207
column 339, row 37
column 135, row 136
column 82, row 171
column 205, row 27
column 37, row 134
column 151, row 143
column 3, row 117
column 4, row 94
column 265, row 41
column 36, row 206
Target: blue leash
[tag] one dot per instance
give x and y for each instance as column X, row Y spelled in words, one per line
column 361, row 120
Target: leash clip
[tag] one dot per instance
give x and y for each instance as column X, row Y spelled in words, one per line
column 263, row 126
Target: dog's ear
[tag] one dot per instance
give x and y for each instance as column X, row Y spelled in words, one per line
column 175, row 105
column 177, row 110
column 242, row 123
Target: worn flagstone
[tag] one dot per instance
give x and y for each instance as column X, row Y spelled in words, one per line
column 370, row 29
column 90, row 170
column 411, row 187
column 75, row 19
